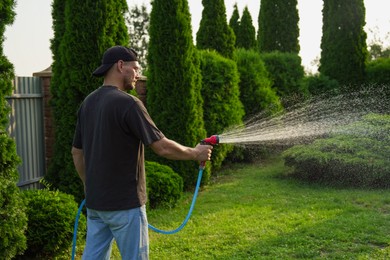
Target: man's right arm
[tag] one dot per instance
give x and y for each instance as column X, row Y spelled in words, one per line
column 175, row 151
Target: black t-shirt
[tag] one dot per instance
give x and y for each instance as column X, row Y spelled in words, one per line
column 112, row 129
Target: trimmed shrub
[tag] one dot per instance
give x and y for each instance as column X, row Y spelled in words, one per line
column 358, row 156
column 320, row 85
column 222, row 106
column 13, row 220
column 164, row 185
column 51, row 216
column 256, row 93
column 378, row 71
column 286, row 72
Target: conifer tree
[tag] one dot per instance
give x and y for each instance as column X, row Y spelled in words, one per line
column 234, row 21
column 278, row 26
column 12, row 215
column 246, row 37
column 343, row 45
column 82, row 32
column 214, row 33
column 174, row 81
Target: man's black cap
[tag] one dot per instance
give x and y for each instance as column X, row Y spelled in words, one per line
column 112, row 56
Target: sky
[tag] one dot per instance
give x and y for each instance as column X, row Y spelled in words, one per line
column 27, row 43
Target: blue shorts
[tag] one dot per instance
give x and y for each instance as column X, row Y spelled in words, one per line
column 129, row 228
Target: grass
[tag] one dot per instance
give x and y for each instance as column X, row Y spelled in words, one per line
column 253, row 212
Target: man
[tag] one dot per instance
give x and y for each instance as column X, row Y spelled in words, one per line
column 108, row 153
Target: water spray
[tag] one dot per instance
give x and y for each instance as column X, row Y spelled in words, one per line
column 212, row 140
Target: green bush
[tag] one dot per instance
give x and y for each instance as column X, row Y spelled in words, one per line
column 378, row 71
column 286, row 73
column 13, row 220
column 51, row 216
column 222, row 107
column 256, row 93
column 320, row 85
column 164, row 185
column 357, row 156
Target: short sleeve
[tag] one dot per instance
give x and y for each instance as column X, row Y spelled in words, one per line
column 141, row 124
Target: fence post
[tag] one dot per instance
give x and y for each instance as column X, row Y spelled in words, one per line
column 45, row 76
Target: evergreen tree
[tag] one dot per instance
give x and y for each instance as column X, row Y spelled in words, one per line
column 278, row 26
column 83, row 31
column 138, row 24
column 343, row 45
column 214, row 33
column 234, row 22
column 256, row 92
column 222, row 106
column 12, row 215
column 174, row 80
column 246, row 37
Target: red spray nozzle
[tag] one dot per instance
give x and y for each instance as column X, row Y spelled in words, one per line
column 213, row 140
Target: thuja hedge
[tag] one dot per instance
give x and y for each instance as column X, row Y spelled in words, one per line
column 222, row 107
column 13, row 219
column 358, row 156
column 256, row 92
column 286, row 72
column 378, row 71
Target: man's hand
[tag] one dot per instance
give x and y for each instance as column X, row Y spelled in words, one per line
column 203, row 152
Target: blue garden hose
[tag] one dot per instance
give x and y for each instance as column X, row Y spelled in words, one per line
column 201, row 168
column 189, row 212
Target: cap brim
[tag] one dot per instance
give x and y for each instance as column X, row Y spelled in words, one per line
column 101, row 71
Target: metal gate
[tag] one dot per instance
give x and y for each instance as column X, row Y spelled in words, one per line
column 26, row 127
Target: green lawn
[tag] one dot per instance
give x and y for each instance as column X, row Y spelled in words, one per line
column 253, row 212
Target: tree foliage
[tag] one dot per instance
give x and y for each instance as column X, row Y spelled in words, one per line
column 13, row 218
column 343, row 44
column 246, row 37
column 378, row 72
column 286, row 72
column 174, row 80
column 377, row 51
column 82, row 32
column 138, row 24
column 234, row 22
column 214, row 33
column 256, row 92
column 278, row 26
column 222, row 105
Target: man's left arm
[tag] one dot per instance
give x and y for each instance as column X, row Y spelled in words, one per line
column 78, row 160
